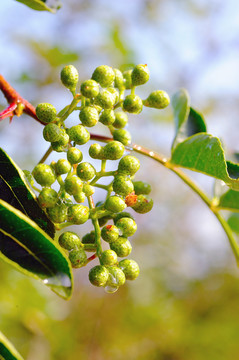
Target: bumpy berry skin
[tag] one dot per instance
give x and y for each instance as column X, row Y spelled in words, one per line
column 107, row 117
column 98, row 275
column 119, row 79
column 62, row 166
column 104, row 220
column 141, row 187
column 69, row 240
column 114, row 150
column 121, row 246
column 89, row 238
column 69, row 77
column 143, row 204
column 121, row 120
column 115, row 204
column 73, row 185
column 85, row 171
column 105, row 99
column 130, row 268
column 140, row 75
column 133, row 104
column 80, row 197
column 58, row 213
column 78, row 214
column 104, row 75
column 108, row 257
column 88, row 189
column 46, row 112
column 122, row 135
column 116, row 276
column 123, row 214
column 90, row 89
column 79, row 134
column 89, row 116
column 78, row 258
column 122, row 185
column 110, row 233
column 128, row 165
column 158, row 99
column 127, row 226
column 44, row 175
column 61, row 143
column 47, row 198
column 127, row 79
column 96, row 151
column 51, row 132
column 74, row 155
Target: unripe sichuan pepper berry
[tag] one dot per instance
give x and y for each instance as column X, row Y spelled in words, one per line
column 108, row 257
column 98, row 275
column 58, row 213
column 90, row 89
column 140, row 75
column 107, row 117
column 127, row 226
column 78, row 214
column 88, row 189
column 141, row 187
column 89, row 116
column 114, row 150
column 73, row 185
column 78, row 258
column 123, row 136
column 122, row 185
column 127, row 79
column 80, row 197
column 133, row 104
column 44, row 175
column 79, row 134
column 104, row 75
column 130, row 268
column 96, row 151
column 69, row 240
column 143, row 204
column 115, row 204
column 121, row 120
column 105, row 99
column 119, row 79
column 46, row 112
column 85, row 171
column 128, row 165
column 121, row 215
column 51, row 132
column 74, row 155
column 121, row 246
column 60, row 144
column 69, row 77
column 62, row 166
column 116, row 276
column 158, row 99
column 110, row 233
column 47, row 198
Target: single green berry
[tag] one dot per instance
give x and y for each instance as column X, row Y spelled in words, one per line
column 58, row 213
column 133, row 104
column 69, row 77
column 89, row 116
column 104, row 75
column 143, row 204
column 46, row 112
column 47, row 198
column 96, row 151
column 121, row 246
column 44, row 175
column 73, row 185
column 78, row 214
column 98, row 275
column 130, row 269
column 127, row 226
column 158, row 99
column 122, row 185
column 115, row 204
column 78, row 258
column 110, row 233
column 128, row 165
column 80, row 197
column 105, row 99
column 122, row 135
column 61, row 144
column 69, row 240
column 62, row 166
column 88, row 189
column 89, row 238
column 107, row 117
column 127, row 79
column 90, row 89
column 108, row 257
column 74, row 155
column 114, row 150
column 85, row 171
column 123, row 214
column 119, row 79
column 79, row 134
column 51, row 132
column 140, row 75
column 141, row 187
column 121, row 120
column 116, row 276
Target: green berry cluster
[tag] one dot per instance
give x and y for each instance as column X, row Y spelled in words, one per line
column 68, row 185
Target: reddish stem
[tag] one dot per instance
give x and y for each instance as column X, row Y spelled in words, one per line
column 92, row 257
column 8, row 112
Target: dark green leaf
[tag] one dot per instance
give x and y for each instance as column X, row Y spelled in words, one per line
column 229, row 200
column 27, row 247
column 7, row 350
column 39, row 5
column 233, row 222
column 15, row 190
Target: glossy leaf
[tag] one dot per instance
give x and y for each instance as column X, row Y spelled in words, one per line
column 7, row 350
column 15, row 190
column 229, row 200
column 40, row 5
column 204, row 153
column 27, row 247
column 233, row 222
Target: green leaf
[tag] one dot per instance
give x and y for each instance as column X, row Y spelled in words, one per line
column 7, row 350
column 187, row 120
column 229, row 200
column 204, row 153
column 27, row 247
column 15, row 190
column 233, row 222
column 39, row 5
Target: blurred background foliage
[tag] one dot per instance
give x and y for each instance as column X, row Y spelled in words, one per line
column 184, row 305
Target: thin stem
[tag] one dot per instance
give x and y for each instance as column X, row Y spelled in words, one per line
column 96, row 225
column 71, row 107
column 45, row 156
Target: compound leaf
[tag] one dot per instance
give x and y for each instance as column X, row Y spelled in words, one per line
column 229, row 200
column 7, row 350
column 233, row 222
